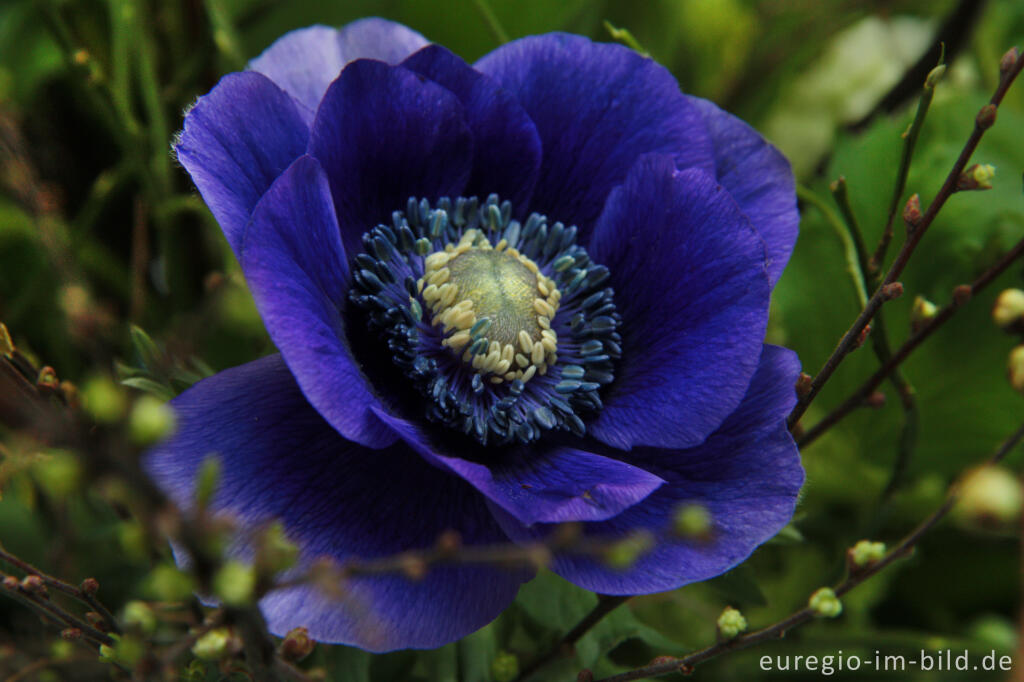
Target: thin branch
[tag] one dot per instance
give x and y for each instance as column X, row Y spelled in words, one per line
column 849, row 341
column 856, row 399
column 61, row 586
column 605, row 605
column 778, row 630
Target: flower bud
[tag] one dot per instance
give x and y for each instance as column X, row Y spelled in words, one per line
column 990, row 497
column 235, row 583
column 804, row 383
column 912, row 212
column 986, row 118
column 90, row 586
column 892, row 291
column 864, row 554
column 48, row 379
column 1015, row 368
column 71, row 634
column 962, row 293
column 297, row 644
column 825, row 603
column 977, row 177
column 504, row 667
column 1009, row 60
column 214, row 645
column 623, row 554
column 934, row 76
column 34, row 585
column 150, row 421
column 167, row 583
column 731, row 624
column 692, row 521
column 921, row 313
column 1008, row 311
column 875, row 400
column 139, row 616
column 276, row 552
column 7, row 347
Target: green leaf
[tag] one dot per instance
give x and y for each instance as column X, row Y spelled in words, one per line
column 555, row 603
column 149, row 386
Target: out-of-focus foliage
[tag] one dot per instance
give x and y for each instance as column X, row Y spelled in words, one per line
column 100, row 230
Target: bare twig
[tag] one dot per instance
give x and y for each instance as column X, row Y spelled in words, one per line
column 857, row 398
column 779, row 629
column 983, row 121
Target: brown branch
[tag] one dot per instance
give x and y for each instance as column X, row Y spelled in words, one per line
column 605, row 605
column 778, row 630
column 850, row 340
column 857, row 398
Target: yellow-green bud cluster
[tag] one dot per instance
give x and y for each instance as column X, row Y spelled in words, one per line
column 825, row 603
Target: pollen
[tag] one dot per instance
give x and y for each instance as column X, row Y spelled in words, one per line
column 494, row 307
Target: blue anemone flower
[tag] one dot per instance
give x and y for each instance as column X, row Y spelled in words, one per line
column 506, row 296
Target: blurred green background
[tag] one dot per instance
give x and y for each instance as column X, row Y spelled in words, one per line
column 99, row 227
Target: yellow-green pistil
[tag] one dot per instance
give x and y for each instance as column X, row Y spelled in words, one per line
column 494, row 306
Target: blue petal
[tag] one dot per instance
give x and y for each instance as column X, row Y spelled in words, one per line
column 759, row 178
column 384, row 134
column 506, row 146
column 689, row 279
column 304, row 62
column 747, row 475
column 281, row 460
column 295, row 264
column 541, row 485
column 598, row 108
column 237, row 139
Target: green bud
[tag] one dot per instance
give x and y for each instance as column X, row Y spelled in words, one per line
column 623, row 554
column 865, row 553
column 151, row 420
column 692, row 521
column 103, row 400
column 1008, row 311
column 61, row 650
column 126, row 651
column 59, row 473
column 297, row 644
column 214, row 645
column 977, row 176
column 922, row 312
column 132, row 539
column 208, row 480
column 276, row 553
column 989, row 496
column 934, row 76
column 139, row 616
column 167, row 583
column 505, row 667
column 731, row 624
column 825, row 603
column 235, row 583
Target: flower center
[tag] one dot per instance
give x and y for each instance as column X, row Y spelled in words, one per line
column 496, row 304
column 505, row 328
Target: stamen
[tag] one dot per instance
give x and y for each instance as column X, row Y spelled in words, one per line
column 476, row 308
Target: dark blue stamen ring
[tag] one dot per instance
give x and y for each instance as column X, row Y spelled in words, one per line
column 506, row 327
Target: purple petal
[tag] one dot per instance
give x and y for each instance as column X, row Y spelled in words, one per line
column 384, row 134
column 542, row 485
column 506, row 147
column 304, row 62
column 598, row 108
column 759, row 178
column 237, row 139
column 689, row 279
column 281, row 460
column 747, row 475
column 295, row 265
